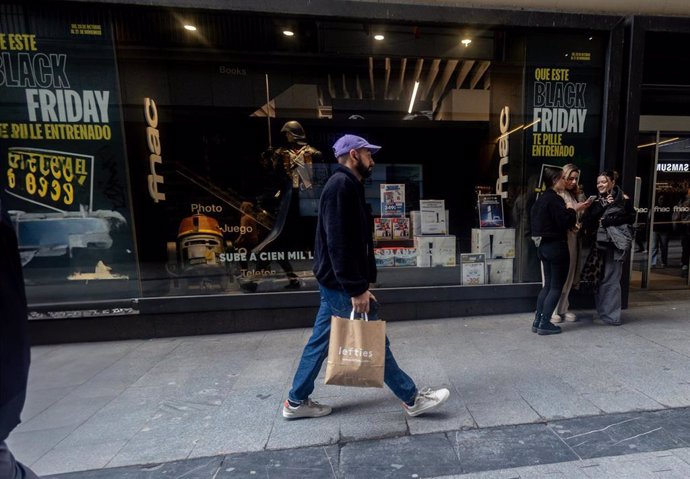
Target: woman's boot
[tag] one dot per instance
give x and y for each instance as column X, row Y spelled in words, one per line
column 535, row 323
column 546, row 327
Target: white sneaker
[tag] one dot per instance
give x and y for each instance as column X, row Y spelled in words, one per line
column 556, row 318
column 307, row 408
column 426, row 399
column 570, row 317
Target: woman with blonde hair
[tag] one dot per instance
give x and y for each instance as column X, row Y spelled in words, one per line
column 572, row 194
column 550, row 220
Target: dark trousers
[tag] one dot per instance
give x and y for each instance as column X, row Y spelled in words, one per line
column 555, row 260
column 660, row 247
column 10, row 468
column 685, row 248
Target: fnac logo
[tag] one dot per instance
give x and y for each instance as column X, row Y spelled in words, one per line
column 503, row 150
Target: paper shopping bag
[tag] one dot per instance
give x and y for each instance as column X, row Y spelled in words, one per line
column 356, row 353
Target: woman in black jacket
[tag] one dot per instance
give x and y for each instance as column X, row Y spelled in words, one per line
column 609, row 220
column 551, row 220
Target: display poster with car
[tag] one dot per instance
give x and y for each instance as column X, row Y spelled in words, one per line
column 62, row 156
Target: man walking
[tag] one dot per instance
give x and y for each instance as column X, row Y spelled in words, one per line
column 14, row 346
column 344, row 267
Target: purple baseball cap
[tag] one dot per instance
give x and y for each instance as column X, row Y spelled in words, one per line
column 352, row 142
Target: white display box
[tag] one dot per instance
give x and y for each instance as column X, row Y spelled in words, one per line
column 416, row 220
column 494, row 243
column 499, row 271
column 433, row 218
column 472, row 269
column 405, row 257
column 384, row 257
column 437, row 250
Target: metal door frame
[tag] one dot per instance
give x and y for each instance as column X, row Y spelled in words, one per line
column 657, row 124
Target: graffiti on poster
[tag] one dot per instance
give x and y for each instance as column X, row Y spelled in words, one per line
column 54, row 179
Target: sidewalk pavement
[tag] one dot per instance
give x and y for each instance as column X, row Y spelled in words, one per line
column 595, row 401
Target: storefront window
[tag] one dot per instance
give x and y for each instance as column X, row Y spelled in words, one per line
column 64, row 173
column 228, row 128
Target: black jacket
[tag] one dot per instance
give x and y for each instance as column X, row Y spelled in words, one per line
column 550, row 218
column 622, row 212
column 344, row 247
column 14, row 343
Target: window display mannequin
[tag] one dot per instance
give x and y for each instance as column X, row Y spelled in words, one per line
column 288, row 174
column 296, row 157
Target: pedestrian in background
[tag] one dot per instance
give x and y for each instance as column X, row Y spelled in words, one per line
column 344, row 267
column 611, row 217
column 681, row 223
column 14, row 346
column 551, row 219
column 661, row 232
column 572, row 195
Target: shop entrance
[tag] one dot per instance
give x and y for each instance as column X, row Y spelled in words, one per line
column 662, row 199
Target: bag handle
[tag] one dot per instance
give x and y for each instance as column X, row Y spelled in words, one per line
column 363, row 316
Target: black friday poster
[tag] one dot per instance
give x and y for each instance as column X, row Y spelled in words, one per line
column 63, row 164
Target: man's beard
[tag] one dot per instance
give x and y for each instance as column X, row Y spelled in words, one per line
column 363, row 171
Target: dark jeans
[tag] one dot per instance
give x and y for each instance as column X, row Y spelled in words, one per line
column 660, row 247
column 555, row 259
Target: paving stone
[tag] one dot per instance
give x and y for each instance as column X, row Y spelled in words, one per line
column 304, row 463
column 204, row 467
column 450, row 416
column 500, row 448
column 68, row 459
column 30, row 446
column 616, row 434
column 38, row 400
column 622, row 401
column 242, row 423
column 405, row 457
column 70, row 411
column 496, row 412
column 320, row 431
column 683, row 454
column 373, row 426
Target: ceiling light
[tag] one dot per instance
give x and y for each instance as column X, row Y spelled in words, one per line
column 414, row 95
column 190, row 27
column 466, row 42
column 288, row 33
column 379, row 37
column 660, row 143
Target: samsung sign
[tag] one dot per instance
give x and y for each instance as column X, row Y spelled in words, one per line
column 673, row 167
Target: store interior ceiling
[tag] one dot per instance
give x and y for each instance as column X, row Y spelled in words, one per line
column 394, row 78
column 357, row 69
column 360, row 66
column 414, row 87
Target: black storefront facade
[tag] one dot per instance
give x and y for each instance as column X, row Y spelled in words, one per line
column 163, row 165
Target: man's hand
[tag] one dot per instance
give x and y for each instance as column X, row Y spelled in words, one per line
column 361, row 303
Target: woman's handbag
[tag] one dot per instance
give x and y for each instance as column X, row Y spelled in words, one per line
column 356, row 352
column 592, row 270
column 603, row 235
